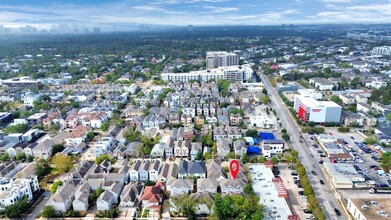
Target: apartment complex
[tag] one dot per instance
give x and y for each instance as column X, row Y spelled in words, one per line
column 232, row 73
column 383, row 50
column 215, row 59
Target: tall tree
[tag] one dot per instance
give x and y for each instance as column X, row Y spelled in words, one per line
column 62, row 163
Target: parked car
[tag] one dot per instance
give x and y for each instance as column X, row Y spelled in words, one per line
column 352, row 137
column 321, row 182
column 320, row 161
column 314, row 172
column 337, row 212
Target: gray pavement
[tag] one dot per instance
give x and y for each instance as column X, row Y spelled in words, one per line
column 38, row 208
column 323, row 193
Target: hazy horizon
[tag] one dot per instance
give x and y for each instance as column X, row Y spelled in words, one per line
column 120, row 15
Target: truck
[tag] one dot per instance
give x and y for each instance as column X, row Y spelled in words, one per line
column 379, row 191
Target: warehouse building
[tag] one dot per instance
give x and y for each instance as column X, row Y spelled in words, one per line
column 309, row 109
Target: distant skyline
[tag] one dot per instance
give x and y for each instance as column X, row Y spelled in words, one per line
column 111, row 15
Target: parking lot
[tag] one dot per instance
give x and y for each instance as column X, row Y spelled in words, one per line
column 297, row 201
column 364, row 158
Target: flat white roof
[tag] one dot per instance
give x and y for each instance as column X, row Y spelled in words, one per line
column 313, row 103
column 343, row 172
column 276, row 208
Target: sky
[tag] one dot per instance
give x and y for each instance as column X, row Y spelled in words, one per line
column 119, row 13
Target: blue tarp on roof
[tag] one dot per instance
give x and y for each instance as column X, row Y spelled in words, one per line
column 255, row 140
column 254, row 150
column 266, row 136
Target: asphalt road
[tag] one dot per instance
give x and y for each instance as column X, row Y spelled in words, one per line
column 323, row 193
column 38, row 208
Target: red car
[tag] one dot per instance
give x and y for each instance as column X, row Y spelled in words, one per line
column 330, row 133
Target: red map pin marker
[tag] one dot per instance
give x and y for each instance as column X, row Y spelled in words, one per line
column 234, row 168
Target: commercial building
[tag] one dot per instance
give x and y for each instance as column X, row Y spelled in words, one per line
column 384, row 50
column 369, row 208
column 19, row 84
column 271, row 190
column 215, row 59
column 232, row 73
column 309, row 109
column 343, row 175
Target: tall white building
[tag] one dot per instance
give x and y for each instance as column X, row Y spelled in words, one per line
column 232, row 73
column 216, row 59
column 12, row 190
column 383, row 50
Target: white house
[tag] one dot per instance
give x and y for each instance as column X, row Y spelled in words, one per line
column 102, row 146
column 272, row 147
column 13, row 190
column 105, row 201
column 180, row 186
column 81, row 198
column 134, row 170
column 154, row 170
column 63, row 198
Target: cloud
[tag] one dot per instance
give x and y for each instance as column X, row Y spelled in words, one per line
column 381, row 8
column 220, row 9
column 337, row 1
column 148, row 8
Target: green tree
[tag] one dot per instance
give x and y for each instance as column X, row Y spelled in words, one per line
column 62, row 163
column 265, row 99
column 185, row 205
column 18, row 128
column 286, row 137
column 230, row 155
column 388, row 116
column 100, row 159
column 207, row 155
column 248, row 189
column 198, row 156
column 57, row 148
column 370, row 140
column 4, row 157
column 262, row 159
column 30, row 158
column 385, row 161
column 90, row 135
column 244, row 158
column 105, row 126
column 252, row 133
column 207, row 140
column 20, row 156
column 336, row 99
column 42, row 168
column 17, row 209
column 55, row 185
column 48, row 211
column 223, row 85
column 131, row 135
column 99, row 191
column 264, row 91
column 275, row 160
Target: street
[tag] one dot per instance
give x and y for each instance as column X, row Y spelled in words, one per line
column 37, row 210
column 323, row 193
